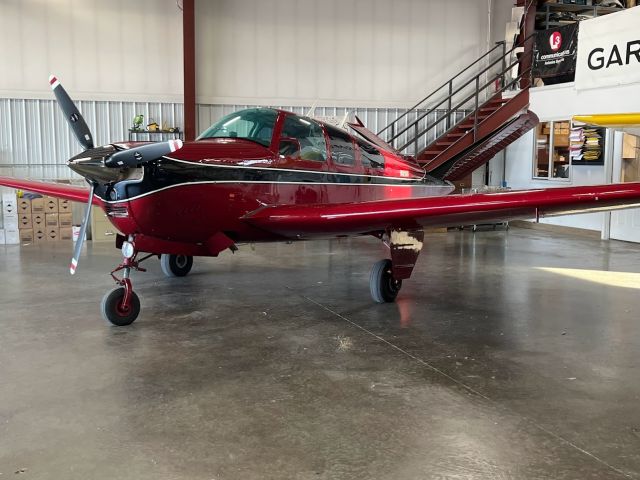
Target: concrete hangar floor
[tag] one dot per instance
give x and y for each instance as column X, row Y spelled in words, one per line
column 508, row 355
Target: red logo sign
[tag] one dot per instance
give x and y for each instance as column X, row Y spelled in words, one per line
column 555, row 41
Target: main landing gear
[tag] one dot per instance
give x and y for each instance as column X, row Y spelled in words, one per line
column 176, row 265
column 121, row 306
column 386, row 276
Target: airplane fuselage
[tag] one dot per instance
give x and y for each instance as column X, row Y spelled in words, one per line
column 209, row 185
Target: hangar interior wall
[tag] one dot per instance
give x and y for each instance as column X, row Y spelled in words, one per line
column 561, row 102
column 120, row 58
column 116, row 50
column 366, row 53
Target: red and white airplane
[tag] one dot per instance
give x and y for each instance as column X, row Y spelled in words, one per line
column 264, row 175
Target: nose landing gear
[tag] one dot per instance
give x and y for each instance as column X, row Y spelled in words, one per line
column 121, row 306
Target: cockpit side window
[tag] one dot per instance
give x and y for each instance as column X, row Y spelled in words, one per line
column 370, row 155
column 302, row 138
column 342, row 149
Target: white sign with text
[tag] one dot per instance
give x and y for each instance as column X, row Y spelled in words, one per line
column 609, row 50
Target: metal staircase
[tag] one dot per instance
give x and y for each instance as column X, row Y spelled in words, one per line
column 475, row 114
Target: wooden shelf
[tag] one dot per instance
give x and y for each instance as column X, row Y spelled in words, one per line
column 545, row 10
column 133, row 134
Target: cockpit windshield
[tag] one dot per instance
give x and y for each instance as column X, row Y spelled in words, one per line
column 255, row 124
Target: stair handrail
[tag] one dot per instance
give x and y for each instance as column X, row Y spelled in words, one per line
column 475, row 94
column 450, row 109
column 415, row 107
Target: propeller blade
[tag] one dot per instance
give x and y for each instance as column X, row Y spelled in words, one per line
column 72, row 114
column 83, row 234
column 136, row 156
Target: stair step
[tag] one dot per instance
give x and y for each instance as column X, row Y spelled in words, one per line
column 444, row 144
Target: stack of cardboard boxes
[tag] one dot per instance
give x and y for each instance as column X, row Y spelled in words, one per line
column 9, row 232
column 44, row 219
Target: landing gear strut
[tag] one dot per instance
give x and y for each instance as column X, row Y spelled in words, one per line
column 121, row 306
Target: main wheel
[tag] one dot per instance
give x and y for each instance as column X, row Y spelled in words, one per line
column 176, row 265
column 113, row 311
column 384, row 288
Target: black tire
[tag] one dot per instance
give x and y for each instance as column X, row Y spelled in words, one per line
column 176, row 265
column 384, row 288
column 111, row 308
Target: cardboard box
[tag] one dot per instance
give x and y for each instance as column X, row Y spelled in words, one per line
column 103, row 232
column 66, row 233
column 39, row 235
column 24, row 221
column 65, row 220
column 24, row 206
column 37, row 219
column 26, row 235
column 11, row 223
column 37, row 205
column 2, row 241
column 64, row 206
column 11, row 237
column 561, row 140
column 51, row 220
column 50, row 205
column 53, row 233
column 9, row 205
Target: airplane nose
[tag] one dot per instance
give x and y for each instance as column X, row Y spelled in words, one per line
column 91, row 165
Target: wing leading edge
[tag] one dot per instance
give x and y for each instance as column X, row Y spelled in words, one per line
column 59, row 190
column 296, row 221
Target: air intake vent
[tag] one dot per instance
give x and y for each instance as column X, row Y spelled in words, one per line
column 117, row 211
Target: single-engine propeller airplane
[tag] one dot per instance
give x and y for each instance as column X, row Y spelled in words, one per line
column 261, row 175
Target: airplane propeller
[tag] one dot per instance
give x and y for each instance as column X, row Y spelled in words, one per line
column 72, row 114
column 134, row 157
column 130, row 158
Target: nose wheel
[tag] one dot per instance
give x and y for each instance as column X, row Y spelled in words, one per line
column 116, row 311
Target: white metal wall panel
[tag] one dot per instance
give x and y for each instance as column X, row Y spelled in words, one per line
column 106, row 50
column 35, row 140
column 375, row 53
column 375, row 119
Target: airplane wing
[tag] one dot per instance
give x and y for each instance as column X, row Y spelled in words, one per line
column 299, row 221
column 627, row 122
column 68, row 192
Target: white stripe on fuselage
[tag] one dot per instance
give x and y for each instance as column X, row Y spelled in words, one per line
column 300, row 170
column 449, row 188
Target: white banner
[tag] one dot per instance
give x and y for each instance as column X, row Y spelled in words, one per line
column 609, row 50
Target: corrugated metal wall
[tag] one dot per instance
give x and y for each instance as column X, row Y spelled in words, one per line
column 375, row 119
column 35, row 140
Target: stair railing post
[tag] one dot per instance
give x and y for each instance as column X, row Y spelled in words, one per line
column 415, row 140
column 475, row 119
column 449, row 105
column 504, row 64
column 393, row 134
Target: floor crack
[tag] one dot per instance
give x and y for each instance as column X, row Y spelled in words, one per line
column 462, row 384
